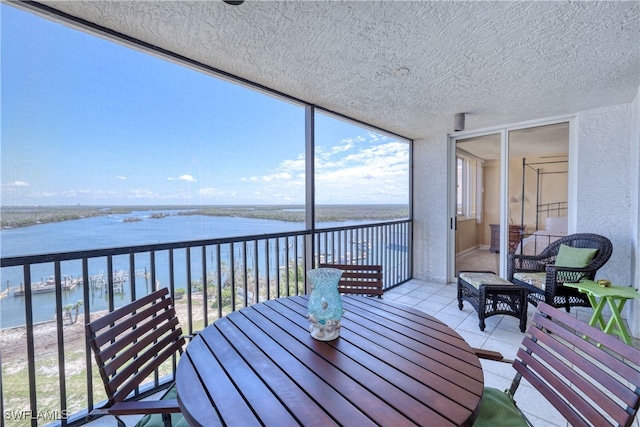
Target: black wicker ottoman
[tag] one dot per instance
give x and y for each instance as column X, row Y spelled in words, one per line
column 490, row 294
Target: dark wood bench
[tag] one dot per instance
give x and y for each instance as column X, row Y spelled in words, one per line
column 490, row 294
column 359, row 279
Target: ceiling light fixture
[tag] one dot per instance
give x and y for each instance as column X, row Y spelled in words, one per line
column 233, row 2
column 401, row 71
column 458, row 122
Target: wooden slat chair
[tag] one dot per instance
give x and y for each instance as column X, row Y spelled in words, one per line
column 359, row 279
column 590, row 377
column 129, row 344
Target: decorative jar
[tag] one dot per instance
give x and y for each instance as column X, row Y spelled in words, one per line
column 325, row 304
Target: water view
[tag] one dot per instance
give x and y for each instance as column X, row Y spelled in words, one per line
column 120, row 227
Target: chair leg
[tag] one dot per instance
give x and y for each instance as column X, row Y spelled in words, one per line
column 482, row 301
column 166, row 420
column 524, row 305
column 514, row 384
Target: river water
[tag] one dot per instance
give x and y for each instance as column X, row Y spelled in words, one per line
column 106, row 232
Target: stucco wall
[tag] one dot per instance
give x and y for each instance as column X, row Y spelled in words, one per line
column 431, row 223
column 605, row 165
column 603, row 170
column 607, row 189
column 634, row 307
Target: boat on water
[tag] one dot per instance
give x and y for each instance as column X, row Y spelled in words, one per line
column 49, row 285
column 100, row 281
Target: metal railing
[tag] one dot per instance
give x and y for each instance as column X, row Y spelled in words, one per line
column 49, row 377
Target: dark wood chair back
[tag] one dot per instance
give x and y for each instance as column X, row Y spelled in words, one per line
column 590, row 377
column 129, row 344
column 359, row 279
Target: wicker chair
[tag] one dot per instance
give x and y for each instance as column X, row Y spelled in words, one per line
column 543, row 279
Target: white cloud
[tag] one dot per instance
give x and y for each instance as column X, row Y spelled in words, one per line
column 293, row 164
column 141, row 193
column 277, row 176
column 18, row 184
column 187, row 178
column 121, row 177
column 348, row 145
column 46, row 194
column 210, row 192
column 365, row 168
column 367, row 173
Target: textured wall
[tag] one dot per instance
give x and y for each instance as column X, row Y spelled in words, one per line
column 634, row 307
column 607, row 163
column 607, row 188
column 430, row 209
column 604, row 186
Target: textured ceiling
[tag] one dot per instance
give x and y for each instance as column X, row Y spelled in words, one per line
column 404, row 66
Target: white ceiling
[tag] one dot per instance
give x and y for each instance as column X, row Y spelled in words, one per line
column 404, row 66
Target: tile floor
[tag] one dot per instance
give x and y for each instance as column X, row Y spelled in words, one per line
column 501, row 334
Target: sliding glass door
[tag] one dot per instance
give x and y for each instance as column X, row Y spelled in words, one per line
column 477, row 215
column 508, row 193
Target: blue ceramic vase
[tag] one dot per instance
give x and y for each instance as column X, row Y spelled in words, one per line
column 325, row 304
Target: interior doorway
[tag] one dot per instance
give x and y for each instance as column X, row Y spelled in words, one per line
column 514, row 184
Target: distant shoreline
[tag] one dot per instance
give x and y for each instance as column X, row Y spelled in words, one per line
column 26, row 216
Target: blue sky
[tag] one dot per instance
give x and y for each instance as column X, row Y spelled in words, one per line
column 87, row 121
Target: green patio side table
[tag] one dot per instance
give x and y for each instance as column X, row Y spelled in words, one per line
column 615, row 297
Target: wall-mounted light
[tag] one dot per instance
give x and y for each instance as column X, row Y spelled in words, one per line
column 458, row 122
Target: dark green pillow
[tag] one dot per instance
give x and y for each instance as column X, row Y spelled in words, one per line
column 574, row 257
column 498, row 409
column 155, row 420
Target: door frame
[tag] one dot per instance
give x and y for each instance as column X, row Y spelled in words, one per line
column 504, row 174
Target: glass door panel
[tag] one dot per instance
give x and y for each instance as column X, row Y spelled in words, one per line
column 522, row 196
column 477, row 203
column 538, row 186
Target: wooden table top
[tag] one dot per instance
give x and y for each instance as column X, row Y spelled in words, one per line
column 392, row 365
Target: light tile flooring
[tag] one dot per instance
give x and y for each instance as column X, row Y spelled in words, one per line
column 501, row 334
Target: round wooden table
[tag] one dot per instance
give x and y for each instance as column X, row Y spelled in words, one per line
column 392, row 365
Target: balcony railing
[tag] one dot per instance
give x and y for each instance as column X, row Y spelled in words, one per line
column 48, row 374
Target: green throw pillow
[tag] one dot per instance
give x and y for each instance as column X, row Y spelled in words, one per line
column 155, row 420
column 574, row 257
column 498, row 409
